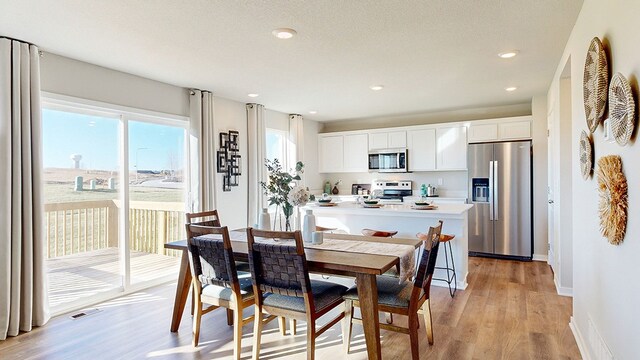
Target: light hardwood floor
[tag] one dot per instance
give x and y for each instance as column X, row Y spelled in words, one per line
column 509, row 311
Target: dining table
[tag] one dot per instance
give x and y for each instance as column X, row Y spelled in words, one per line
column 363, row 266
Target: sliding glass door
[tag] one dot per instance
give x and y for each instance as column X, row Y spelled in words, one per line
column 115, row 193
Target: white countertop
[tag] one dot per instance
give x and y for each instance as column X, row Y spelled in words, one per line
column 346, row 208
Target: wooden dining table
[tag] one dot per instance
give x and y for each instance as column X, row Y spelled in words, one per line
column 364, row 267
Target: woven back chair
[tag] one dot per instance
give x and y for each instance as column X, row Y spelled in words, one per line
column 408, row 298
column 282, row 286
column 212, row 218
column 216, row 281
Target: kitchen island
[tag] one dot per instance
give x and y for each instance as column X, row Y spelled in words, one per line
column 351, row 218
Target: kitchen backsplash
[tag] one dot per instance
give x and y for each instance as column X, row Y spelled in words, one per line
column 454, row 183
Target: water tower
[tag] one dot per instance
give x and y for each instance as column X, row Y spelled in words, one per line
column 76, row 160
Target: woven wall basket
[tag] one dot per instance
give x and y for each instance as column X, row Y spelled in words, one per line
column 594, row 84
column 622, row 109
column 612, row 186
column 586, row 155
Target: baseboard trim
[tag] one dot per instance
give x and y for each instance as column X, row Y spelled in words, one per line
column 562, row 291
column 538, row 257
column 582, row 345
column 460, row 285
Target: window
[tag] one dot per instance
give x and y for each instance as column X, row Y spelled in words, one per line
column 277, row 146
column 114, row 182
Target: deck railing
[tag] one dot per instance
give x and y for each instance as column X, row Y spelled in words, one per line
column 76, row 227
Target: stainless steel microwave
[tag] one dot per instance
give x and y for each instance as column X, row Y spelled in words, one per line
column 388, row 160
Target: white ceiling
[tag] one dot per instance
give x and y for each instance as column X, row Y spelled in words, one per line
column 430, row 55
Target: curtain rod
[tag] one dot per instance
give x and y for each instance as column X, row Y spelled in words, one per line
column 14, row 39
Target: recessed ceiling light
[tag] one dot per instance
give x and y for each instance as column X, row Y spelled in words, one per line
column 284, row 33
column 376, row 87
column 511, row 88
column 508, row 54
column 252, row 95
column 313, row 112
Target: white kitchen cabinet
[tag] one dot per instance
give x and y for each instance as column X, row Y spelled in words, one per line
column 356, row 153
column 331, row 153
column 397, row 139
column 514, row 130
column 451, row 145
column 378, row 141
column 387, row 140
column 483, row 132
column 421, row 147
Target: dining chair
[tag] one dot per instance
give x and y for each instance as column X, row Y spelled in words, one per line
column 402, row 299
column 282, row 286
column 216, row 281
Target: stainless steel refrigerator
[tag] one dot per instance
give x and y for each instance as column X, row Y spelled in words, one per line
column 500, row 188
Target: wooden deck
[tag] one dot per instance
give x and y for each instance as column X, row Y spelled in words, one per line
column 86, row 274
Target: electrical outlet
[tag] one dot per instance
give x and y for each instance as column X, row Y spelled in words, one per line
column 440, row 181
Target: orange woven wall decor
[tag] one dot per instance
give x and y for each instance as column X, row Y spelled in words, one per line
column 612, row 186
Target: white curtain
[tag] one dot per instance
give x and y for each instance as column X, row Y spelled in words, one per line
column 23, row 290
column 202, row 143
column 256, row 155
column 296, row 141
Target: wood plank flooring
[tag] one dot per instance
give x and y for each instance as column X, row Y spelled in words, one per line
column 509, row 311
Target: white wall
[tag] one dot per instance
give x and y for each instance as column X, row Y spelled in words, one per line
column 539, row 142
column 606, row 290
column 65, row 76
column 312, row 178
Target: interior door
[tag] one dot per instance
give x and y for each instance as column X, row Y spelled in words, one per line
column 480, row 224
column 512, row 198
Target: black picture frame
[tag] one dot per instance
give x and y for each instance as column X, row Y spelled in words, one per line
column 222, row 163
column 236, row 164
column 226, row 183
column 224, row 140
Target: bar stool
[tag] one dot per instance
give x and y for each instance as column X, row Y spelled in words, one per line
column 451, row 278
column 378, row 233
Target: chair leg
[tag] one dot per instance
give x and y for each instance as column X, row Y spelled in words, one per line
column 197, row 316
column 311, row 339
column 453, row 266
column 413, row 335
column 428, row 324
column 282, row 323
column 237, row 333
column 347, row 325
column 229, row 317
column 193, row 301
column 292, row 325
column 257, row 332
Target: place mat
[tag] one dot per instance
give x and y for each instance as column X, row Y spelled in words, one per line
column 406, row 253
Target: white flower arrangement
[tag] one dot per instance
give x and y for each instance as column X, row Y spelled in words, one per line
column 298, row 196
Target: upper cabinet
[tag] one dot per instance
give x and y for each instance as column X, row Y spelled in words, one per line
column 330, row 153
column 355, row 153
column 346, row 152
column 421, row 148
column 387, row 140
column 516, row 128
column 451, row 148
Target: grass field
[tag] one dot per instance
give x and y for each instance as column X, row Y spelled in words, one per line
column 59, row 193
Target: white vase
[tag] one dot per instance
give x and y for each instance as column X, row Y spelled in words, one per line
column 308, row 226
column 264, row 220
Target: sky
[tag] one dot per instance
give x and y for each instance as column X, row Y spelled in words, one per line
column 156, row 147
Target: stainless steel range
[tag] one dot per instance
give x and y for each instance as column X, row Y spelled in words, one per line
column 391, row 192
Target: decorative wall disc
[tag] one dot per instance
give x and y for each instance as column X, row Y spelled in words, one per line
column 586, row 155
column 612, row 186
column 622, row 109
column 594, row 84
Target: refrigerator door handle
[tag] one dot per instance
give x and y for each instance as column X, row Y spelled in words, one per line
column 496, row 191
column 491, row 190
